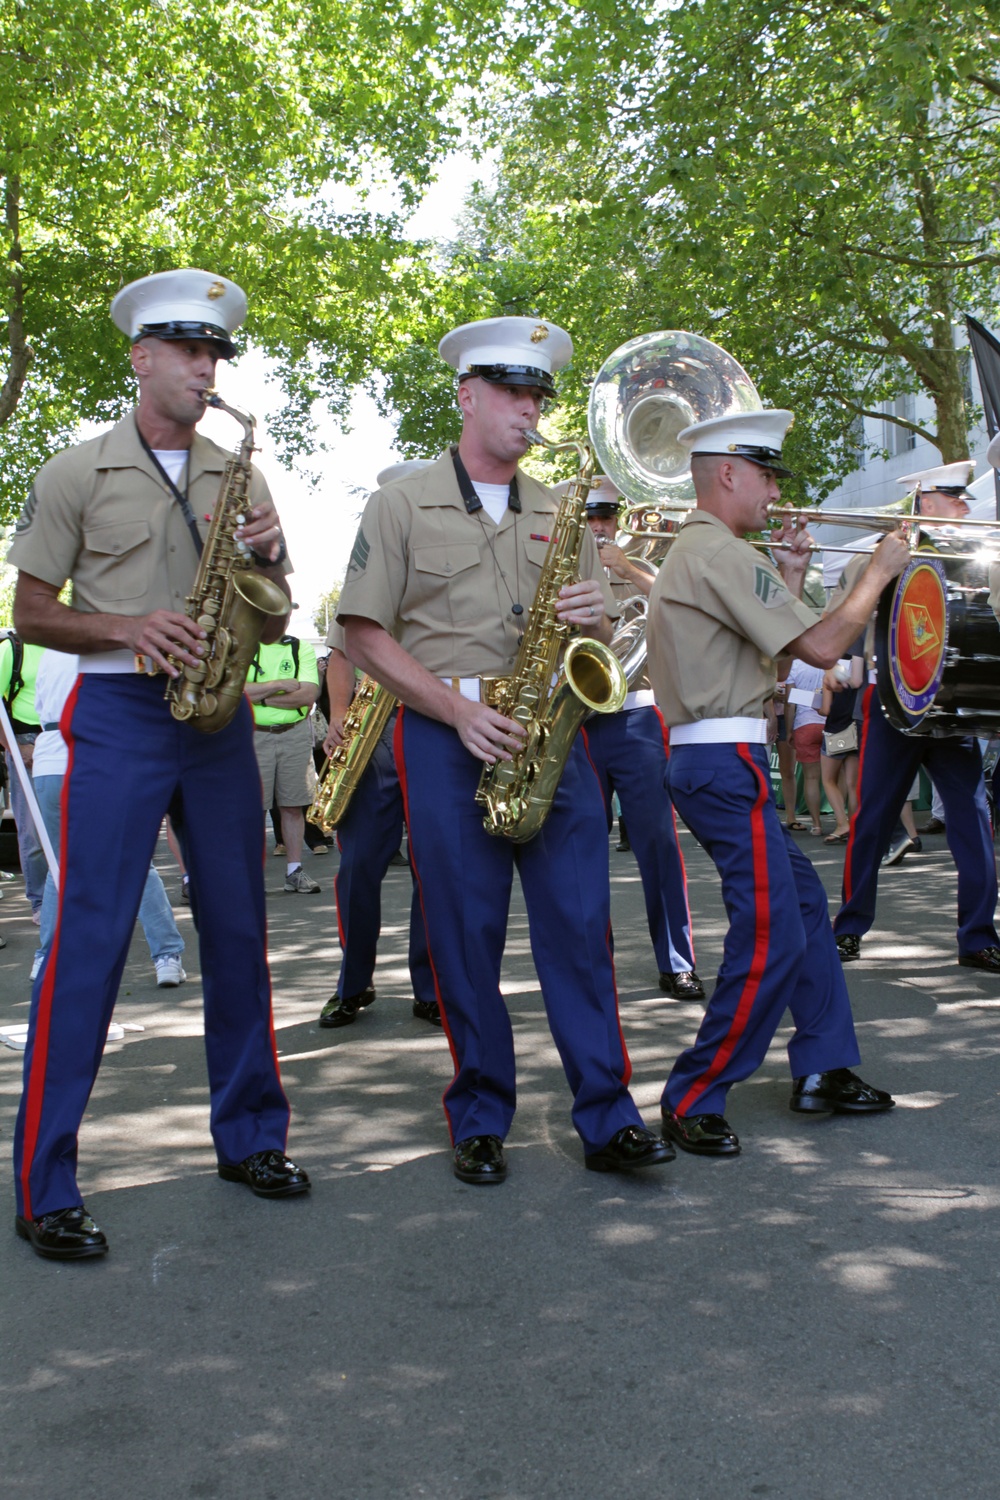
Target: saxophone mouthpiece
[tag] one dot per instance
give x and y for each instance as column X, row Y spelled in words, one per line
column 211, row 396
column 532, row 435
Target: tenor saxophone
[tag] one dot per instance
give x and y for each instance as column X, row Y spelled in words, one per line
column 369, row 712
column 547, row 698
column 230, row 600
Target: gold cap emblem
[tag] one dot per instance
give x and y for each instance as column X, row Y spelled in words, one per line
column 216, row 290
column 539, row 334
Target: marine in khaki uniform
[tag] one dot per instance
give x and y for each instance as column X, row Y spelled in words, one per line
column 368, row 836
column 433, row 607
column 124, row 517
column 720, row 614
column 629, row 752
column 890, row 760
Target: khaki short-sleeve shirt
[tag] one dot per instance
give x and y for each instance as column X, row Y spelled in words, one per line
column 719, row 614
column 443, row 582
column 335, row 638
column 102, row 515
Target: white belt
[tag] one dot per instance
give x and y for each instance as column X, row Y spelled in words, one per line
column 469, row 687
column 108, row 661
column 719, row 732
column 641, row 698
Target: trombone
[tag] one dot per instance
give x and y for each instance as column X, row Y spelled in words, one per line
column 649, row 521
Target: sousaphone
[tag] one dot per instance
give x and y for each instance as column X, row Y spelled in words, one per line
column 644, row 394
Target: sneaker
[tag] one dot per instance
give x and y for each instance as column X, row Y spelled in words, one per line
column 898, row 850
column 320, row 849
column 169, row 971
column 186, row 890
column 298, row 882
column 278, row 851
column 849, row 947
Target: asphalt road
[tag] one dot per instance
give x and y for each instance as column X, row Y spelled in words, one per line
column 816, row 1319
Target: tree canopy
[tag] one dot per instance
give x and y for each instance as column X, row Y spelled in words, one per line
column 222, row 133
column 810, row 184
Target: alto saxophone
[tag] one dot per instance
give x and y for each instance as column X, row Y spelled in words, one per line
column 550, row 701
column 230, row 601
column 369, row 712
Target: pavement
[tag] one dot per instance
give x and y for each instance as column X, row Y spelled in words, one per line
column 815, row 1319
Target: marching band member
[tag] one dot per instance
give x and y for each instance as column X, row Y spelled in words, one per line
column 121, row 516
column 367, row 838
column 629, row 752
column 720, row 614
column 433, row 607
column 889, row 762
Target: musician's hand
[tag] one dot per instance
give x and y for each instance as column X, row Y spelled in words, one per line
column 334, row 735
column 614, row 558
column 892, row 554
column 486, row 734
column 581, row 604
column 791, row 545
column 262, row 531
column 164, row 633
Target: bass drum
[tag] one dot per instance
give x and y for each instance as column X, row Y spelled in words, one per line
column 937, row 646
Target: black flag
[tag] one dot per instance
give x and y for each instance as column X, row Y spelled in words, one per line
column 986, row 349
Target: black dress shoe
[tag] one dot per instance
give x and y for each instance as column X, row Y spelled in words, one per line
column 986, row 958
column 628, row 1150
column 933, row 825
column 849, row 947
column 480, row 1159
column 683, row 985
column 427, row 1010
column 269, row 1174
column 67, row 1234
column 341, row 1011
column 702, row 1135
column 838, row 1092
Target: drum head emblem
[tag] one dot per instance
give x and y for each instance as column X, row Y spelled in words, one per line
column 918, row 636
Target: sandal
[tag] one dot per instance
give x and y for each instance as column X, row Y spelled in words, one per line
column 838, row 838
column 795, row 826
column 815, row 832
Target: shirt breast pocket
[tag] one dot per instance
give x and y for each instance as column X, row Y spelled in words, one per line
column 120, row 560
column 447, row 577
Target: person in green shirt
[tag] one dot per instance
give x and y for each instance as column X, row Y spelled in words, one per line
column 283, row 685
column 18, row 670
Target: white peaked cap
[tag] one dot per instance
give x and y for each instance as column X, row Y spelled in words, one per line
column 527, row 344
column 754, row 435
column 181, row 304
column 993, row 452
column 942, row 477
column 403, row 470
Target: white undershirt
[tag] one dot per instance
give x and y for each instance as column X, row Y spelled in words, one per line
column 494, row 498
column 172, row 461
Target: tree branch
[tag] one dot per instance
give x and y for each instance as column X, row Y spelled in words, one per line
column 883, row 416
column 21, row 353
column 989, row 84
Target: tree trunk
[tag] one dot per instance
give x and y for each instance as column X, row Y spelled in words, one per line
column 21, row 353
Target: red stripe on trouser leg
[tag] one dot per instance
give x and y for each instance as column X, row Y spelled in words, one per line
column 849, row 855
column 34, row 1084
column 762, row 938
column 680, row 852
column 400, row 759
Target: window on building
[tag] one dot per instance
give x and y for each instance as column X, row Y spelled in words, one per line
column 900, row 439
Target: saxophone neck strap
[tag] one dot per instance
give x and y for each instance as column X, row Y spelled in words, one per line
column 182, row 499
column 468, row 489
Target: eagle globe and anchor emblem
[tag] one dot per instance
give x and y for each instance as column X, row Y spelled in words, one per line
column 918, row 636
